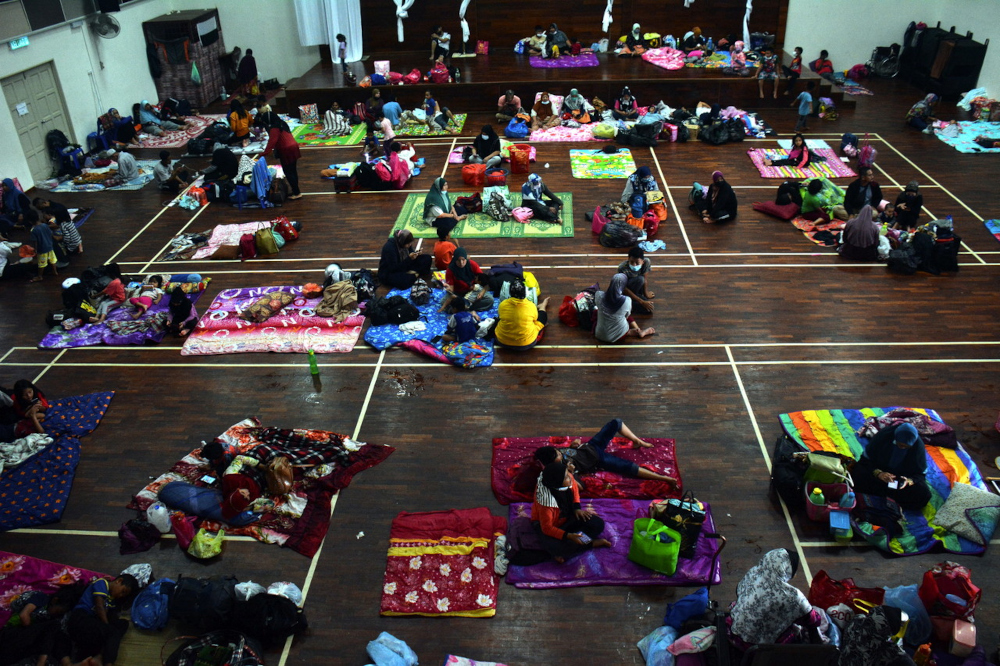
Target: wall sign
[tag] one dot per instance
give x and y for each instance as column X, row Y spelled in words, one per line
column 18, row 43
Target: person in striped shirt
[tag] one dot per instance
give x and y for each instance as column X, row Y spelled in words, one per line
column 64, row 231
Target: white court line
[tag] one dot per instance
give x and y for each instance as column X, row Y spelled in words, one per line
column 673, row 204
column 333, row 504
column 139, row 233
column 48, row 366
column 163, row 249
column 102, row 533
column 446, row 159
column 767, row 461
column 9, row 352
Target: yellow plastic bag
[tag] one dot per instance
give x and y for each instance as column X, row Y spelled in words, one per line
column 206, row 545
column 531, row 282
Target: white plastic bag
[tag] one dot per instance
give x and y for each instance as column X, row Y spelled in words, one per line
column 248, row 589
column 287, row 590
column 159, row 516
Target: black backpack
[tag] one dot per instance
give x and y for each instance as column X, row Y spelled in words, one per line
column 788, row 192
column 524, row 545
column 903, row 260
column 619, row 234
column 220, row 132
column 365, row 284
column 218, row 648
column 270, row 618
column 394, row 310
column 683, row 133
column 736, row 132
column 200, row 146
column 645, row 134
column 786, row 473
column 716, row 134
column 420, row 293
column 205, row 603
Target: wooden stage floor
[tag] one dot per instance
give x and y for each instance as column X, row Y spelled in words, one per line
column 752, row 320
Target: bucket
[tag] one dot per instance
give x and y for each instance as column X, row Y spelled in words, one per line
column 520, row 158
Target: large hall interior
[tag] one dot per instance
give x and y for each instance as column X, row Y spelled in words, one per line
column 357, row 332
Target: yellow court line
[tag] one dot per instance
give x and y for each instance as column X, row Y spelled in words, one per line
column 163, row 249
column 767, row 462
column 673, row 204
column 448, row 157
column 48, row 366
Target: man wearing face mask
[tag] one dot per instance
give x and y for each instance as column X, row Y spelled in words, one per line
column 536, row 43
column 508, row 106
column 636, row 269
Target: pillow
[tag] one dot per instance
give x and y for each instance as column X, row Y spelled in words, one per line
column 786, row 212
column 978, row 527
column 187, row 287
column 556, row 100
column 526, row 478
column 267, row 306
column 226, row 252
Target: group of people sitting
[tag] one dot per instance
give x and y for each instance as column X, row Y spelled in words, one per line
column 54, row 236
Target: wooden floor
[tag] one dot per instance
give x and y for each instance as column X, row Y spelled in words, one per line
column 752, row 320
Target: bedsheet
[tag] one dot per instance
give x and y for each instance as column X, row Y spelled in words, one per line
column 22, row 573
column 836, row 430
column 665, row 57
column 229, row 234
column 294, row 330
column 557, row 134
column 611, row 566
column 440, row 563
column 968, row 131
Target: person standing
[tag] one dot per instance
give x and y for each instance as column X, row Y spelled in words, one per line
column 45, row 255
column 804, row 100
column 286, row 148
column 247, row 73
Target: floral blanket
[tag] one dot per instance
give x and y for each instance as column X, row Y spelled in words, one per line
column 21, row 573
column 294, row 330
column 298, row 520
column 511, row 455
column 440, row 563
column 556, row 134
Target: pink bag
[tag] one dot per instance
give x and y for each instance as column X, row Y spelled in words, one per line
column 522, row 214
column 482, row 47
column 184, row 528
column 867, row 154
column 597, row 225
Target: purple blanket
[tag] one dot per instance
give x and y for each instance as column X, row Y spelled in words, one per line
column 118, row 330
column 611, row 566
column 582, row 60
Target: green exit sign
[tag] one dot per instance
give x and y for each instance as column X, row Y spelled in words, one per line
column 18, row 43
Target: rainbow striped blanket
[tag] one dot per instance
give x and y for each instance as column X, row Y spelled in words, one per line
column 836, row 430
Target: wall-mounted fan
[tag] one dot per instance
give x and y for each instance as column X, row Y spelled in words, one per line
column 105, row 26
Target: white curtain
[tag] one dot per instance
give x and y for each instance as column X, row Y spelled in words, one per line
column 320, row 21
column 607, row 20
column 401, row 13
column 746, row 24
column 465, row 24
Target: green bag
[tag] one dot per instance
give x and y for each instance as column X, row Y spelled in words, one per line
column 650, row 550
column 195, row 74
column 206, row 545
column 826, row 469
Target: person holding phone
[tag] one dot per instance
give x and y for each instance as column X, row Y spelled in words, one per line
column 565, row 527
column 894, row 464
column 29, row 405
column 400, row 265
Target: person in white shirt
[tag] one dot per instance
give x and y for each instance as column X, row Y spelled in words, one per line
column 167, row 176
column 440, row 43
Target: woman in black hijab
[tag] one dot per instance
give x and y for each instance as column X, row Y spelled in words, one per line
column 225, row 165
column 719, row 205
column 400, row 266
column 486, row 148
column 566, row 529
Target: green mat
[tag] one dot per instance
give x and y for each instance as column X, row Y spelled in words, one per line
column 311, row 135
column 597, row 164
column 420, row 129
column 481, row 225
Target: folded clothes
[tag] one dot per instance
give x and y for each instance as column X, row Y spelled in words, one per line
column 413, row 327
column 652, row 246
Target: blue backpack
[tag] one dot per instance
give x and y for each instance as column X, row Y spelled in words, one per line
column 638, row 205
column 517, row 129
column 151, row 608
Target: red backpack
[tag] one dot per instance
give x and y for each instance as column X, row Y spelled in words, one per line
column 248, row 247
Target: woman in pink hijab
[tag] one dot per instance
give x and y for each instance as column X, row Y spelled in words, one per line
column 860, row 238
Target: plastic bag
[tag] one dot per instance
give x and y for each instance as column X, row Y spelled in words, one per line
column 159, row 516
column 206, row 545
column 906, row 598
column 387, row 649
column 195, row 74
column 248, row 589
column 654, row 646
column 287, row 590
column 184, row 529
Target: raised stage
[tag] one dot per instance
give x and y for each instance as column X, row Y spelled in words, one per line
column 485, row 78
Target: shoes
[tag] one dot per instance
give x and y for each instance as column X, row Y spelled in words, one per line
column 62, row 264
column 929, row 130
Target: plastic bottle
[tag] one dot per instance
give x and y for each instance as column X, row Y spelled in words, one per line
column 816, row 497
column 922, row 656
column 313, row 368
column 710, row 45
column 224, row 95
column 848, row 500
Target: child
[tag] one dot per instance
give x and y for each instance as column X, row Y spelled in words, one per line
column 444, row 249
column 182, row 317
column 767, row 70
column 794, row 70
column 371, row 148
column 34, row 629
column 114, row 296
column 888, row 216
column 636, row 269
column 574, row 47
column 480, row 297
column 804, row 100
column 94, row 625
column 29, row 406
column 462, row 325
column 342, row 54
column 150, row 292
column 45, row 246
column 822, row 65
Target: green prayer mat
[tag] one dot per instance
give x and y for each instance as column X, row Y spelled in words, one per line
column 311, row 135
column 481, row 225
column 420, row 129
column 597, row 164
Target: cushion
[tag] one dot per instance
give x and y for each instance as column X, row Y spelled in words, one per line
column 187, row 287
column 226, row 252
column 976, row 526
column 267, row 306
column 786, row 212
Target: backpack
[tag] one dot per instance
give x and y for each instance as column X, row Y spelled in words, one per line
column 788, row 192
column 393, row 310
column 683, row 133
column 151, row 608
column 218, row 648
column 645, row 134
column 619, row 234
column 205, row 603
column 497, row 207
column 517, row 129
column 248, row 247
column 365, row 284
column 903, row 260
column 786, row 473
column 270, row 618
column 736, row 132
column 716, row 134
column 524, row 545
column 284, row 227
column 219, row 133
column 200, row 146
column 420, row 293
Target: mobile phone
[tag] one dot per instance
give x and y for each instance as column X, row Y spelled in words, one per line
column 208, row 479
column 583, row 538
column 894, row 484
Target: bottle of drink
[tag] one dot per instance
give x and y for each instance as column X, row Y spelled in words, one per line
column 923, row 655
column 816, row 497
column 313, row 368
column 847, row 501
column 223, row 95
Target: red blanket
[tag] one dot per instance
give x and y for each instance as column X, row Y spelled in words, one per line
column 441, row 563
column 514, row 480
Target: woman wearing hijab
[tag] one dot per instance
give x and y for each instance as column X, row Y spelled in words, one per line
column 576, row 106
column 693, row 40
column 461, row 276
column 439, row 212
column 895, row 455
column 626, row 107
column 640, row 182
column 246, row 74
column 152, row 123
column 15, row 209
column 373, row 105
column 566, row 529
column 121, row 131
column 921, row 114
column 908, row 205
column 719, row 204
column 556, row 43
column 767, row 604
column 286, row 148
column 635, row 45
column 225, row 166
column 519, row 321
column 868, row 639
column 400, row 266
column 486, row 148
column 182, row 316
column 860, row 238
column 537, row 196
column 239, row 122
column 614, row 313
column 543, row 116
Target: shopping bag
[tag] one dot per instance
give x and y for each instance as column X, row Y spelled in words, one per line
column 685, row 516
column 947, row 591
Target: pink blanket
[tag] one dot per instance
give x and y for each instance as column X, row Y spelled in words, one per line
column 581, row 133
column 296, row 329
column 227, row 234
column 665, row 57
column 179, row 138
column 455, row 157
column 21, row 573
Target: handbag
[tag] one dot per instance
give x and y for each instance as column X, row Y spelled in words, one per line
column 482, row 47
column 825, row 468
column 206, row 545
column 264, row 241
column 826, row 592
column 279, row 476
column 685, row 516
column 654, row 545
column 947, row 591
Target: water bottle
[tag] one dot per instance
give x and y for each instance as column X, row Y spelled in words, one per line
column 710, row 45
column 313, row 368
column 817, row 498
column 224, row 95
column 847, row 501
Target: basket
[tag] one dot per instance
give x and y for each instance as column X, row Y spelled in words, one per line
column 520, row 158
column 496, row 177
column 821, row 513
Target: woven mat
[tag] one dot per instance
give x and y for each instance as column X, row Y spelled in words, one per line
column 832, row 168
column 312, row 135
column 597, row 164
column 481, row 225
